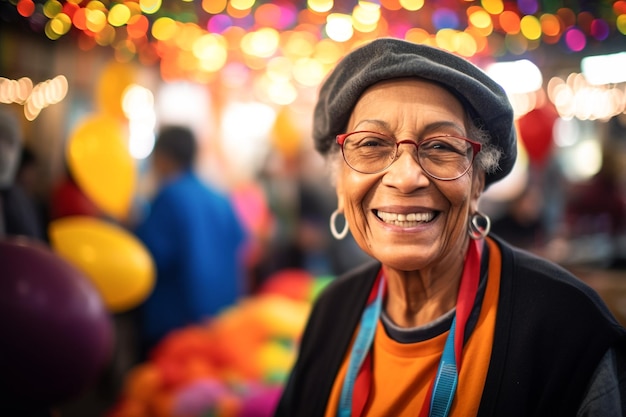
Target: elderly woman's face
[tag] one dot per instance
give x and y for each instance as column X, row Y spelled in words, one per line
column 377, row 205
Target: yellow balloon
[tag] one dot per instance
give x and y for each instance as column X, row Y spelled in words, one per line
column 117, row 263
column 114, row 80
column 101, row 163
column 286, row 136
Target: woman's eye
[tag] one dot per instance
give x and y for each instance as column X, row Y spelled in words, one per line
column 443, row 146
column 374, row 141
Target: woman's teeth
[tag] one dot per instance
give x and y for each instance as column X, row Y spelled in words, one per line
column 405, row 220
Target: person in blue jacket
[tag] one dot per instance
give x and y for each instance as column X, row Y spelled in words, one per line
column 195, row 238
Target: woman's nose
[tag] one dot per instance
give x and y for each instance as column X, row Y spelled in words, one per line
column 406, row 173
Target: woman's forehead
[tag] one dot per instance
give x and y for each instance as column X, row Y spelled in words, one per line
column 407, row 88
column 412, row 98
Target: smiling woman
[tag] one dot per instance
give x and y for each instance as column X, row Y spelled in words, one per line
column 448, row 320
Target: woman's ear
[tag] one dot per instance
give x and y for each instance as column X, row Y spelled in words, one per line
column 339, row 191
column 478, row 186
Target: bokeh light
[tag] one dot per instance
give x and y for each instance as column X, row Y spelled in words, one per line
column 138, row 106
column 198, row 41
column 479, row 18
column 308, row 72
column 528, row 7
column 339, row 27
column 509, row 22
column 60, row 24
column 164, row 28
column 599, row 29
column 241, row 4
column 621, row 23
column 582, row 160
column 575, row 39
column 262, row 43
column 246, row 144
column 211, row 51
column 219, row 23
column 214, row 6
column 320, row 6
column 34, row 98
column 576, row 97
column 550, row 24
column 51, row 8
column 444, row 18
column 412, row 5
column 150, row 6
column 156, row 31
column 119, row 15
column 137, row 26
column 96, row 20
column 530, row 27
column 25, row 7
column 366, row 16
column 493, row 6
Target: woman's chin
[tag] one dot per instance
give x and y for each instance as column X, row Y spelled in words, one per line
column 405, row 260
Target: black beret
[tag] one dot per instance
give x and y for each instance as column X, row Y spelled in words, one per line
column 389, row 58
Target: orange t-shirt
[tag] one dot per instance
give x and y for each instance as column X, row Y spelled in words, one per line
column 402, row 372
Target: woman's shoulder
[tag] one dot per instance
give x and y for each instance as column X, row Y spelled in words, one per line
column 532, row 269
column 541, row 288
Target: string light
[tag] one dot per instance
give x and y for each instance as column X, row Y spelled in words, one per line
column 34, row 98
column 253, row 32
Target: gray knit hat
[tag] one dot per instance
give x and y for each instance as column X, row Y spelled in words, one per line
column 389, row 58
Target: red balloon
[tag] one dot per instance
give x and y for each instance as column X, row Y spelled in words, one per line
column 57, row 335
column 535, row 128
column 69, row 200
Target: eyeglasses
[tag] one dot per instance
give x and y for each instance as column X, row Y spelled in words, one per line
column 441, row 157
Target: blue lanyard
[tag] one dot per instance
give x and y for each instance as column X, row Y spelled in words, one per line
column 445, row 381
column 360, row 349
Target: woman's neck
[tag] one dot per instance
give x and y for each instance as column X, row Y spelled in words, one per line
column 415, row 298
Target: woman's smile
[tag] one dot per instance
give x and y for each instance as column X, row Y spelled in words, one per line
column 404, row 219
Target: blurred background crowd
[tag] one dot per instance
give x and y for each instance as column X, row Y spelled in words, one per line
column 87, row 88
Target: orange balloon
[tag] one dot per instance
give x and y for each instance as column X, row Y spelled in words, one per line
column 101, row 164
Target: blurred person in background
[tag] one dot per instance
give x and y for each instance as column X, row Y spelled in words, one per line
column 521, row 224
column 195, row 238
column 448, row 319
column 595, row 214
column 18, row 211
column 300, row 202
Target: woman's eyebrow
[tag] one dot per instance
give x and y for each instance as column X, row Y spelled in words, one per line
column 380, row 123
column 443, row 124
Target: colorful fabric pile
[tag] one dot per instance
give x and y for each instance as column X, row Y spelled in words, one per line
column 234, row 365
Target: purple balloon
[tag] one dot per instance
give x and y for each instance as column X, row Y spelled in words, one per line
column 57, row 335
